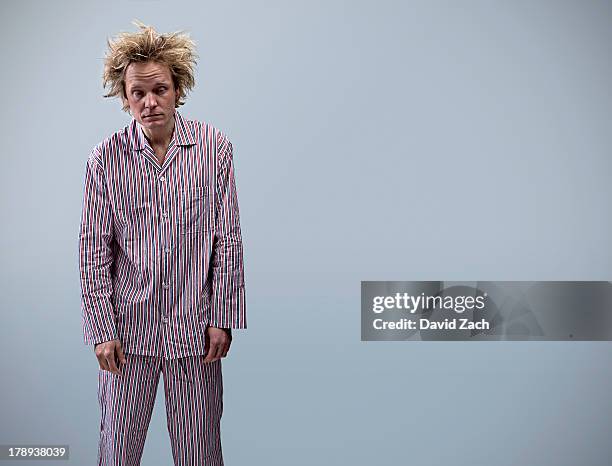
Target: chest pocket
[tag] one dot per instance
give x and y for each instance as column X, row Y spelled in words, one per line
column 195, row 210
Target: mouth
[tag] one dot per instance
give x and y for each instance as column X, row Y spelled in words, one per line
column 151, row 116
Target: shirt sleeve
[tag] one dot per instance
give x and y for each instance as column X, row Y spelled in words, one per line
column 95, row 256
column 228, row 301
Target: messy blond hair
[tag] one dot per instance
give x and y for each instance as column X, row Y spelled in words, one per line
column 175, row 49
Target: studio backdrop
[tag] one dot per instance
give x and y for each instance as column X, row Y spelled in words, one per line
column 420, row 141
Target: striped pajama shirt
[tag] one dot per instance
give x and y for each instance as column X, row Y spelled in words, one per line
column 160, row 256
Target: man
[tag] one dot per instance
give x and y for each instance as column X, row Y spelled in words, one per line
column 161, row 259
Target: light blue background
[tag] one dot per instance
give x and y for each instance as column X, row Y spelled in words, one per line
column 372, row 141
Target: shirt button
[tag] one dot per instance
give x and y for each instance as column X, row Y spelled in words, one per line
column 162, row 178
column 166, row 285
column 165, row 320
column 165, row 214
column 167, row 250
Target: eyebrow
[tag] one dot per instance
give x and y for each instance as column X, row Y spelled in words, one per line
column 158, row 83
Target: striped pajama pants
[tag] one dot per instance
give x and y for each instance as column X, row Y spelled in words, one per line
column 194, row 404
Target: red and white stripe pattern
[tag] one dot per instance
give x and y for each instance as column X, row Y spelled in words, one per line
column 194, row 404
column 160, row 246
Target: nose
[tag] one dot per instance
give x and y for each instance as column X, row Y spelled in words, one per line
column 150, row 100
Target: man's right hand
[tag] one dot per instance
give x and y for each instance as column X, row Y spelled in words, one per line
column 110, row 354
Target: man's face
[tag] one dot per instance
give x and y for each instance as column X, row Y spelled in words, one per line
column 151, row 94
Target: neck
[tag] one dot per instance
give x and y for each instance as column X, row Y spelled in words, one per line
column 160, row 137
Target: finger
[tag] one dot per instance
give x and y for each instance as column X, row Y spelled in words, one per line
column 212, row 352
column 207, row 350
column 220, row 351
column 111, row 364
column 210, row 348
column 102, row 363
column 121, row 354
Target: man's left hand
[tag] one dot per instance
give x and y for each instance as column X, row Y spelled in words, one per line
column 218, row 341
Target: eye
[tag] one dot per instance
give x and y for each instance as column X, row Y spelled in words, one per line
column 162, row 89
column 136, row 94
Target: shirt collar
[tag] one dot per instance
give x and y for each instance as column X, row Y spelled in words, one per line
column 182, row 136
